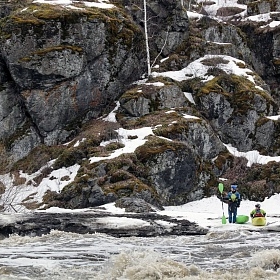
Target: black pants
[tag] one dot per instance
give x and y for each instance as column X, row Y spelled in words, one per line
column 232, row 212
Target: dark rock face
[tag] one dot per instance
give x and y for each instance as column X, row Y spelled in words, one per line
column 166, row 173
column 64, row 71
column 12, row 115
column 135, row 205
column 5, row 9
column 167, row 20
column 232, row 116
column 152, row 98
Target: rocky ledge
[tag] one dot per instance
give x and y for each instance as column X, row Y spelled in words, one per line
column 97, row 221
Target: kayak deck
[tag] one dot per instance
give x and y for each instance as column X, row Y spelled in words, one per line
column 259, row 221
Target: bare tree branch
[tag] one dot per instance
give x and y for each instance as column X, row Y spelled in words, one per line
column 161, row 50
column 147, row 39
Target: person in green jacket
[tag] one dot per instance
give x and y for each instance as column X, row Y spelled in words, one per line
column 257, row 212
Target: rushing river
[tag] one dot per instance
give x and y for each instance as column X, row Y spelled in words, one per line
column 236, row 254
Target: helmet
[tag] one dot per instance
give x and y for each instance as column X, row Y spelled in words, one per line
column 234, row 187
column 258, row 205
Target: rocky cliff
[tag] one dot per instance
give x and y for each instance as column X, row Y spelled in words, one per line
column 65, row 67
column 62, row 66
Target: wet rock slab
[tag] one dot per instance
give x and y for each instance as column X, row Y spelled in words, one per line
column 117, row 225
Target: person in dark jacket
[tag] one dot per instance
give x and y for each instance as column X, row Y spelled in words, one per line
column 234, row 200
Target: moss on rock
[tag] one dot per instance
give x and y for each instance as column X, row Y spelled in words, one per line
column 155, row 146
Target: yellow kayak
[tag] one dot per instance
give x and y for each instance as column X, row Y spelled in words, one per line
column 259, row 221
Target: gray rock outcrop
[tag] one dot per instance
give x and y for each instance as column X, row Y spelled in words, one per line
column 146, row 99
column 63, row 71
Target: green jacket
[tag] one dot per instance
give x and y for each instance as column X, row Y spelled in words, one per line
column 257, row 212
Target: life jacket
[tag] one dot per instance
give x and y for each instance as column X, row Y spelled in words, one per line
column 233, row 197
column 258, row 213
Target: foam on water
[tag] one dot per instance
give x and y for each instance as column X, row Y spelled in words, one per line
column 266, row 259
column 145, row 265
column 238, row 254
column 148, row 265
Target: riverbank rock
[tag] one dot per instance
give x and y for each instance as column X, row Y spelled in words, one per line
column 97, row 221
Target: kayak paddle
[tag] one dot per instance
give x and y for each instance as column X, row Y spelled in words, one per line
column 221, row 188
